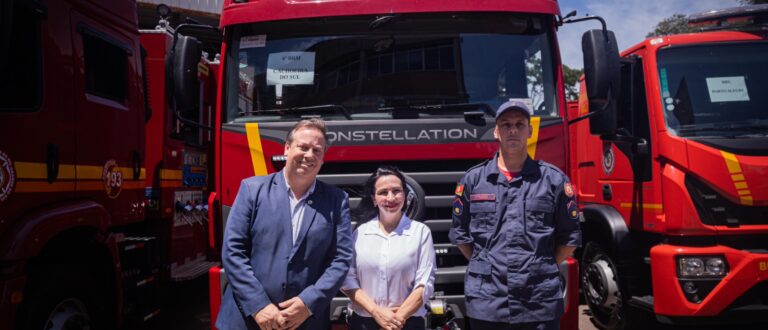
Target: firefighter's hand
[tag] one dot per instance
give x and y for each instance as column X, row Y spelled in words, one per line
column 269, row 318
column 294, row 311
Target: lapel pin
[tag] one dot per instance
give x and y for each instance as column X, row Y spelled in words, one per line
column 309, row 202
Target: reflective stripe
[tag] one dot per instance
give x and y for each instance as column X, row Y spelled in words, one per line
column 651, row 206
column 737, row 177
column 26, row 170
column 257, row 152
column 166, row 174
column 535, row 124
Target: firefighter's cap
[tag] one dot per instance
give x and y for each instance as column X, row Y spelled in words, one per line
column 516, row 105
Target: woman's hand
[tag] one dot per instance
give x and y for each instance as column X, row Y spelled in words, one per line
column 387, row 318
column 399, row 313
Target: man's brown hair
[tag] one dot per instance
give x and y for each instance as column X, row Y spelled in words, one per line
column 315, row 123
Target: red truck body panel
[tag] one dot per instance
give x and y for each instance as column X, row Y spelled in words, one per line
column 663, row 208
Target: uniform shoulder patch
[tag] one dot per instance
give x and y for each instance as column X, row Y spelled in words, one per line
column 459, row 189
column 568, row 189
column 573, row 210
column 458, row 206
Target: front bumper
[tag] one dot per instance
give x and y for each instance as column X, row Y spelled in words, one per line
column 742, row 294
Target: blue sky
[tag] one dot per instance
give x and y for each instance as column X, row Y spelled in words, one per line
column 630, row 20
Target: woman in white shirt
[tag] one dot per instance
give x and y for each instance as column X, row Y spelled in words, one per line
column 392, row 273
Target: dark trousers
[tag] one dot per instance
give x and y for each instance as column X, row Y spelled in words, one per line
column 486, row 325
column 357, row 322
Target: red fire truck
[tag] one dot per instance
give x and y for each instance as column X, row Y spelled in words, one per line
column 412, row 84
column 670, row 173
column 102, row 187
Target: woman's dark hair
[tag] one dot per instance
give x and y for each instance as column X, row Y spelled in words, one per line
column 365, row 210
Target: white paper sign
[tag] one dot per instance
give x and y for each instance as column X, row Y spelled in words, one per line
column 291, row 68
column 727, row 89
column 257, row 41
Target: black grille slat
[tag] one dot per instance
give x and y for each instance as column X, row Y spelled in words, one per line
column 714, row 209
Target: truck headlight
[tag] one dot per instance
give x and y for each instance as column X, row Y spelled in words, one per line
column 691, row 267
column 699, row 275
column 701, row 266
column 716, row 266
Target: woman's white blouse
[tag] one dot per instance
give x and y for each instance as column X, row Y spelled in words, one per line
column 388, row 267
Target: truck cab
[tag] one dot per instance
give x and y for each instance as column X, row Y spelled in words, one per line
column 93, row 167
column 669, row 175
column 414, row 85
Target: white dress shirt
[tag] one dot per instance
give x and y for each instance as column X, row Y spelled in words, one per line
column 297, row 208
column 388, row 267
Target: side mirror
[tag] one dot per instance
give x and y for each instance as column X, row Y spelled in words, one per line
column 184, row 84
column 602, row 76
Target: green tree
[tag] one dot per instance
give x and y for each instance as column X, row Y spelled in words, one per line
column 675, row 24
column 571, row 79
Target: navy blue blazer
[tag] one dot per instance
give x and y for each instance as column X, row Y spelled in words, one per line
column 262, row 264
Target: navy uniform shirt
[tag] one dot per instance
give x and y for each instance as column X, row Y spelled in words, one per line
column 514, row 228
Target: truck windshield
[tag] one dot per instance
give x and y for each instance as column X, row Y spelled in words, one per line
column 718, row 90
column 382, row 67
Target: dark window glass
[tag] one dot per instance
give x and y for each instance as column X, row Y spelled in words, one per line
column 415, row 59
column 433, row 65
column 446, row 58
column 20, row 86
column 718, row 89
column 373, row 67
column 431, row 59
column 354, row 71
column 401, row 61
column 106, row 68
column 386, row 64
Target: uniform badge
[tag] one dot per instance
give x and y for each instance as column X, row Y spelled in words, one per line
column 568, row 189
column 458, row 206
column 482, row 197
column 573, row 210
column 459, row 189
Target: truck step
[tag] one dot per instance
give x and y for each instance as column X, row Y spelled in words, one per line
column 191, row 270
column 644, row 302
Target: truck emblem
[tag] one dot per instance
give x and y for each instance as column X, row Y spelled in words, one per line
column 609, row 160
column 7, row 176
column 113, row 179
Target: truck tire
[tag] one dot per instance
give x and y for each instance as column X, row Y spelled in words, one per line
column 601, row 288
column 63, row 297
column 416, row 201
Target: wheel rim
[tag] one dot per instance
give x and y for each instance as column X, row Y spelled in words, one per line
column 602, row 289
column 69, row 314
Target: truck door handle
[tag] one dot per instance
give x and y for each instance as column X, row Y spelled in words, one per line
column 52, row 162
column 136, row 165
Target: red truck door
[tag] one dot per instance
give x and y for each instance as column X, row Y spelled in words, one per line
column 109, row 116
column 36, row 117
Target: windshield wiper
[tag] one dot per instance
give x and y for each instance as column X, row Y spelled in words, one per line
column 301, row 110
column 436, row 107
column 381, row 21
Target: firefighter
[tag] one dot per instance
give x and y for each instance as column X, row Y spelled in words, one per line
column 515, row 219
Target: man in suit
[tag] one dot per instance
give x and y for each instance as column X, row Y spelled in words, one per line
column 287, row 242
